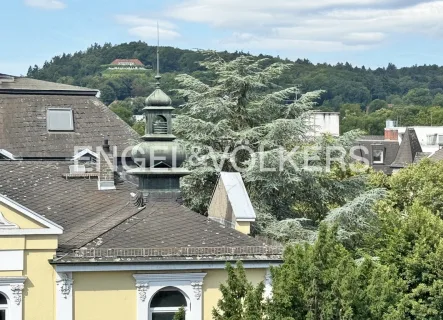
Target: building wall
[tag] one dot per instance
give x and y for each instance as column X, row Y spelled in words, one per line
column 104, row 295
column 422, row 134
column 243, row 226
column 35, row 251
column 211, row 285
column 39, row 292
column 220, row 206
column 325, row 122
column 113, row 295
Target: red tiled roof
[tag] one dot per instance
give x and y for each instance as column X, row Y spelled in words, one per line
column 135, row 61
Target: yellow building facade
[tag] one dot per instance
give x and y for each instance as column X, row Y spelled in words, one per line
column 34, row 285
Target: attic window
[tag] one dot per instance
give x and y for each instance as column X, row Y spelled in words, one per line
column 60, row 119
column 377, row 156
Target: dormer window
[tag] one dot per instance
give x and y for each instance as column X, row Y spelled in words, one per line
column 377, row 156
column 60, row 119
column 160, row 125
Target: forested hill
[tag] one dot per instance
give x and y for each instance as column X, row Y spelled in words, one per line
column 343, row 83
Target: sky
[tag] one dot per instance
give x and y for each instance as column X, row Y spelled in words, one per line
column 372, row 33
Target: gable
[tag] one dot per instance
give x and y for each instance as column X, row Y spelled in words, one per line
column 16, row 219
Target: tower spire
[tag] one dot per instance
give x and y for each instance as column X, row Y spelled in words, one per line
column 158, row 76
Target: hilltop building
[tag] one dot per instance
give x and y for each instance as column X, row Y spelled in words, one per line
column 77, row 238
column 129, row 64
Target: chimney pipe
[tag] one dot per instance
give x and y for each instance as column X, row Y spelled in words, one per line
column 106, row 146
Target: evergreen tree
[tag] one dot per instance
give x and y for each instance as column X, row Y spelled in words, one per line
column 244, row 122
column 240, row 299
column 180, row 314
column 322, row 281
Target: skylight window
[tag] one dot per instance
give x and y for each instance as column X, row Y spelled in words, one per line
column 60, row 119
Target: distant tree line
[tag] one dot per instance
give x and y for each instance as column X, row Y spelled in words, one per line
column 375, row 94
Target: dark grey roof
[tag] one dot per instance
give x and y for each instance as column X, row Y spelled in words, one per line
column 109, row 219
column 22, row 85
column 166, row 224
column 372, row 137
column 437, row 155
column 409, row 147
column 76, row 204
column 421, row 155
column 23, row 125
column 390, row 152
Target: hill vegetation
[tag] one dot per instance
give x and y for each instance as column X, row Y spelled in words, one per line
column 365, row 97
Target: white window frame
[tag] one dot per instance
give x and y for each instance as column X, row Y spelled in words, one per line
column 72, row 129
column 4, row 307
column 189, row 284
column 382, row 157
column 168, row 309
column 12, row 288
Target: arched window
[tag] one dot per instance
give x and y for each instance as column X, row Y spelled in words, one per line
column 165, row 304
column 3, row 307
column 160, row 125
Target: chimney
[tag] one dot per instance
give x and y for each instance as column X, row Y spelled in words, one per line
column 106, row 146
column 106, row 168
column 391, row 131
column 391, row 134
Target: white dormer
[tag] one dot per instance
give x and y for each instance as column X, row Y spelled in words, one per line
column 86, row 155
column 231, row 204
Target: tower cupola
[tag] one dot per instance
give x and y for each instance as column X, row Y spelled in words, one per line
column 159, row 157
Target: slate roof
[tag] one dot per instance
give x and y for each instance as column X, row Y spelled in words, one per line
column 23, row 125
column 437, row 155
column 373, row 137
column 421, row 155
column 29, row 86
column 166, row 224
column 76, row 204
column 409, row 147
column 390, row 152
column 109, row 219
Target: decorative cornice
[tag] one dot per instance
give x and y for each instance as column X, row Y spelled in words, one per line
column 17, row 290
column 6, row 224
column 142, row 288
column 65, row 284
column 197, row 287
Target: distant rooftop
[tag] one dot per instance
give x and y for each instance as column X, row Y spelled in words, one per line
column 22, row 85
column 127, row 62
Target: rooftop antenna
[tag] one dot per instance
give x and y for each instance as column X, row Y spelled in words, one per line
column 158, row 76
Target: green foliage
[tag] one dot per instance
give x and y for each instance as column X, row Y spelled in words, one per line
column 123, row 113
column 240, row 299
column 322, row 281
column 139, row 127
column 342, row 83
column 180, row 314
column 412, row 245
column 377, row 104
column 421, row 184
column 244, row 109
column 419, row 96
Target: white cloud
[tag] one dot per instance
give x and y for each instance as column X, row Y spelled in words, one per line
column 325, row 25
column 46, row 4
column 146, row 28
